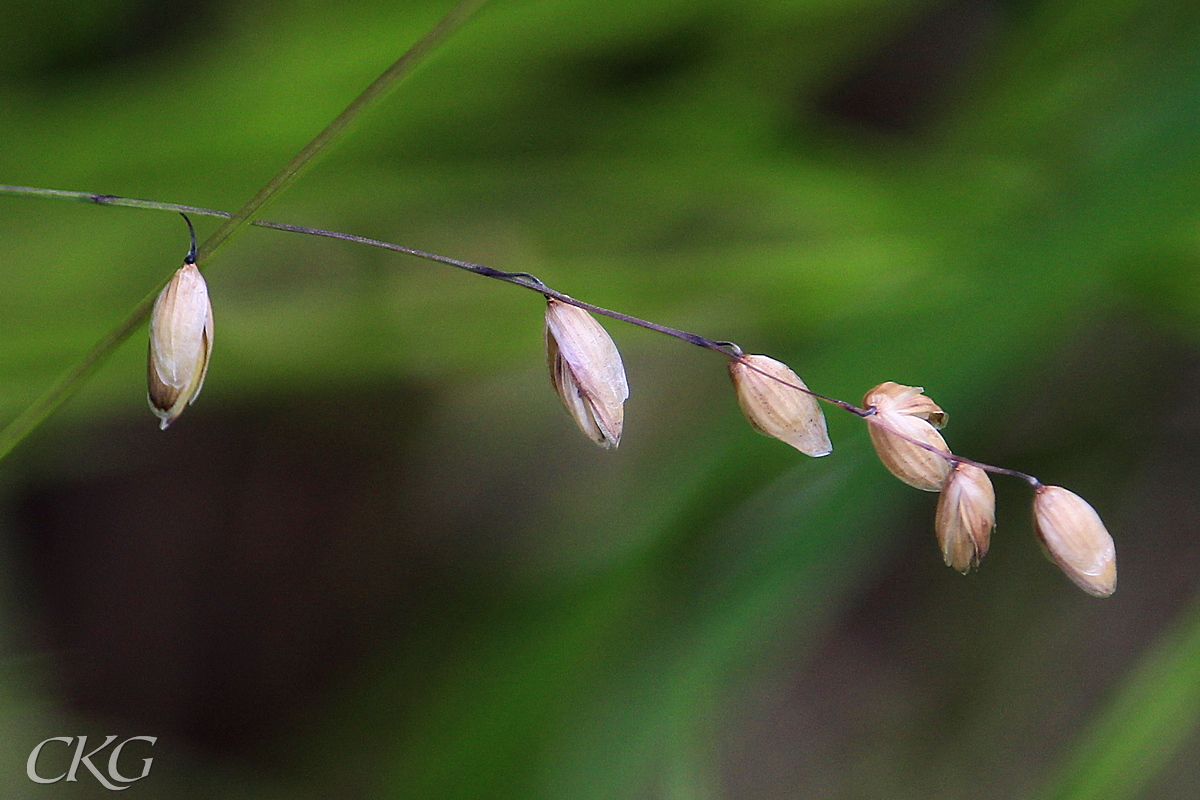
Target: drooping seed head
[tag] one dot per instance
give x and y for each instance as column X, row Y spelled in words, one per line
column 776, row 409
column 181, row 336
column 1075, row 538
column 908, row 412
column 966, row 516
column 586, row 371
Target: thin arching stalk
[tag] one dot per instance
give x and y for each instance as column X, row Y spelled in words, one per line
column 523, row 279
column 70, row 381
column 368, row 99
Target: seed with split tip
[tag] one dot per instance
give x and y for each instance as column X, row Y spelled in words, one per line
column 907, row 411
column 776, row 409
column 966, row 516
column 586, row 371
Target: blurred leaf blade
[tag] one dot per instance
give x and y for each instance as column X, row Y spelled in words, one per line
column 1146, row 723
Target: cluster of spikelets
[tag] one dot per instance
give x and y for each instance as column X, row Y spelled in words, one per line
column 588, row 375
column 904, row 425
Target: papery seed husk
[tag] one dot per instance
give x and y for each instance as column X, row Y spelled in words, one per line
column 914, row 465
column 572, row 397
column 966, row 516
column 181, row 332
column 907, row 400
column 914, row 415
column 777, row 410
column 586, row 370
column 1075, row 538
column 181, row 335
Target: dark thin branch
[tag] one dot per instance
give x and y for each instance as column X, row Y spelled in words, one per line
column 69, row 382
column 729, row 349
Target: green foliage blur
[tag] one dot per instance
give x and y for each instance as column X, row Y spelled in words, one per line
column 993, row 199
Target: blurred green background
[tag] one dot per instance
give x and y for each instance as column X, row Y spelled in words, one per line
column 376, row 560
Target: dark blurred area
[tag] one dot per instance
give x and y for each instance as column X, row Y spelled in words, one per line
column 908, row 79
column 210, row 583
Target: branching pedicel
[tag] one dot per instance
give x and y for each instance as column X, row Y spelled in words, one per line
column 587, row 373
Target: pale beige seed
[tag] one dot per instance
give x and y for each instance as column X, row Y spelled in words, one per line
column 181, row 336
column 904, row 410
column 1076, row 539
column 966, row 516
column 908, row 400
column 586, row 371
column 776, row 409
